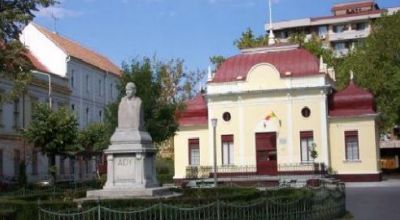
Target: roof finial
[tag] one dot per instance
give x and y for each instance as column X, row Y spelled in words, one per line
column 271, row 37
column 210, row 75
column 351, row 75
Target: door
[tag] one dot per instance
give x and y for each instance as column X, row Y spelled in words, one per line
column 266, row 153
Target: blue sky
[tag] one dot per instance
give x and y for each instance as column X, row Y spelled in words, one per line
column 192, row 30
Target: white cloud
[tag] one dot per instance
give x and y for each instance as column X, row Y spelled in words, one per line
column 57, row 12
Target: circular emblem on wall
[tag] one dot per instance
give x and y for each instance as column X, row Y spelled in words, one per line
column 226, row 116
column 305, row 112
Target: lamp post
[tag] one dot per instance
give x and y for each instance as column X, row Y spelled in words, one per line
column 214, row 125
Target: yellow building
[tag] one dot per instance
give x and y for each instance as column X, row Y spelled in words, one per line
column 277, row 111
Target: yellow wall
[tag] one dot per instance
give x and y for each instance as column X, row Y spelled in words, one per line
column 368, row 148
column 264, row 76
column 181, row 147
column 264, row 92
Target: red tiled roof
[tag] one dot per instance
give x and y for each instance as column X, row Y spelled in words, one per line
column 299, row 62
column 77, row 51
column 196, row 112
column 352, row 101
column 350, row 15
column 352, row 5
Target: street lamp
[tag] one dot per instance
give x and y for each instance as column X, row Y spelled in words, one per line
column 214, row 125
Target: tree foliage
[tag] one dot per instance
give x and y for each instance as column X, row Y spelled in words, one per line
column 94, row 138
column 249, row 40
column 315, row 46
column 14, row 64
column 217, row 61
column 376, row 64
column 162, row 86
column 54, row 132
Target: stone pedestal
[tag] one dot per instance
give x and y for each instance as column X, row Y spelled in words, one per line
column 130, row 167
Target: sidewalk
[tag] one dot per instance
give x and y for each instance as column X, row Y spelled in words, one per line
column 384, row 183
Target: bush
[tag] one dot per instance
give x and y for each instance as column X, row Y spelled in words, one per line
column 164, row 170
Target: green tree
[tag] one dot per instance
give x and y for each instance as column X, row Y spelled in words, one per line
column 14, row 64
column 53, row 132
column 376, row 65
column 217, row 61
column 94, row 138
column 315, row 46
column 248, row 40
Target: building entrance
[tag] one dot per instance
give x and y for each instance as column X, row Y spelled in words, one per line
column 266, row 154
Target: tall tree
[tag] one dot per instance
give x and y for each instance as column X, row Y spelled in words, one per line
column 14, row 64
column 376, row 64
column 158, row 112
column 162, row 86
column 54, row 132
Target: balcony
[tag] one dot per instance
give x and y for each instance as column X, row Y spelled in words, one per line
column 348, row 35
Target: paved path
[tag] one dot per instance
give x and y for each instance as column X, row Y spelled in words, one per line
column 374, row 201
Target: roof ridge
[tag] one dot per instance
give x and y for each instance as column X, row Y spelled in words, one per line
column 69, row 39
column 73, row 47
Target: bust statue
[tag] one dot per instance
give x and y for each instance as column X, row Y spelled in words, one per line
column 130, row 110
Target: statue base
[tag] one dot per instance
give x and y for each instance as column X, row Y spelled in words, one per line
column 127, row 193
column 130, row 167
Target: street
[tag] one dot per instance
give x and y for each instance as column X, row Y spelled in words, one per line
column 382, row 203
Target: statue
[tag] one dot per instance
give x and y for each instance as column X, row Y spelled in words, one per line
column 131, row 155
column 130, row 111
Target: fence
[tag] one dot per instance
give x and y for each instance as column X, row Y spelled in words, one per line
column 325, row 203
column 201, row 172
column 24, row 192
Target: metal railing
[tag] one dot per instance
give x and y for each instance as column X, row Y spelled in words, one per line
column 201, row 172
column 325, row 203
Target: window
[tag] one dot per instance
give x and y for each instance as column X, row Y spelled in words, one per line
column 87, row 167
column 87, row 116
column 226, row 116
column 340, row 46
column 100, row 116
column 111, row 90
column 100, row 88
column 16, row 114
column 34, row 162
column 72, row 78
column 339, row 28
column 87, row 83
column 17, row 159
column 71, row 166
column 1, row 162
column 305, row 112
column 194, row 152
column 34, row 102
column 72, row 107
column 351, row 142
column 322, row 31
column 306, row 145
column 1, row 115
column 227, row 149
column 62, row 165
